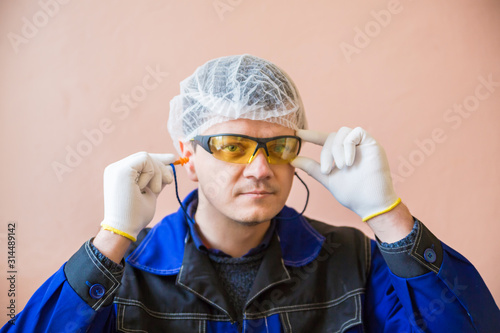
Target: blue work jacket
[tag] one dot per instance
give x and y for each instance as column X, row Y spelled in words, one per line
column 314, row 277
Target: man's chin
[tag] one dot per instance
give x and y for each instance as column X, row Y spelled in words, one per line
column 256, row 217
column 250, row 223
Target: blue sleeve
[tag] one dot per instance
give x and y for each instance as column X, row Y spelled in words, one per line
column 57, row 305
column 446, row 294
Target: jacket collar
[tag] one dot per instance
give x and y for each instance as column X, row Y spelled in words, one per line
column 162, row 250
column 196, row 275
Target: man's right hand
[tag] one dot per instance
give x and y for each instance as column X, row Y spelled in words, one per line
column 131, row 187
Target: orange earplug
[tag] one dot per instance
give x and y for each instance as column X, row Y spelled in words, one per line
column 182, row 161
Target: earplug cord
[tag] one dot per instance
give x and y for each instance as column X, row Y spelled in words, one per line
column 276, row 217
column 177, row 195
column 305, row 206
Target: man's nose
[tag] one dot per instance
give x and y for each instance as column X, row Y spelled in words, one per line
column 259, row 166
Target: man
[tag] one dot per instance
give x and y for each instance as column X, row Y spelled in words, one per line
column 234, row 258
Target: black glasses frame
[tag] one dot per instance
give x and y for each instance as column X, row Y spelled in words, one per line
column 203, row 141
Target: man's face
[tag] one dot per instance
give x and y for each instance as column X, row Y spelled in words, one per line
column 245, row 193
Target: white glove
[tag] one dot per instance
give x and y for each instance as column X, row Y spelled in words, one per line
column 361, row 179
column 131, row 187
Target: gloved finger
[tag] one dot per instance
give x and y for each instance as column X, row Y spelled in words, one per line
column 167, row 174
column 338, row 147
column 146, row 172
column 155, row 184
column 311, row 167
column 166, row 169
column 326, row 156
column 315, row 137
column 164, row 158
column 353, row 139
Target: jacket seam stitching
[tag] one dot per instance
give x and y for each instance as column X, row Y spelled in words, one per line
column 305, row 307
column 121, row 323
column 272, row 284
column 357, row 319
column 167, row 315
column 417, row 256
column 286, row 322
column 199, row 295
column 108, row 275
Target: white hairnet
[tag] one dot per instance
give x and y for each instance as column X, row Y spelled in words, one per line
column 234, row 87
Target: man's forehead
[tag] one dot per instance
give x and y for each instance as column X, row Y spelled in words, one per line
column 257, row 128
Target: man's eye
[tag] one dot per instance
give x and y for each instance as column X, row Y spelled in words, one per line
column 279, row 148
column 231, row 148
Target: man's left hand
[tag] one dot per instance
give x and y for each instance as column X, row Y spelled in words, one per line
column 353, row 168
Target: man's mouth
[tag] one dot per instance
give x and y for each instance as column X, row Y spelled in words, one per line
column 257, row 193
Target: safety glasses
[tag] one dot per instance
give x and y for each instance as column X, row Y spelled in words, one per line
column 242, row 149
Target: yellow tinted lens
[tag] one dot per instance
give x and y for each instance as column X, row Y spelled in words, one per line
column 283, row 150
column 232, row 149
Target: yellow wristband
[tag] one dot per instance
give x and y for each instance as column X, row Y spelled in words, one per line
column 384, row 211
column 119, row 232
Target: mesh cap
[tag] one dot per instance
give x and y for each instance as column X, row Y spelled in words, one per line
column 234, row 87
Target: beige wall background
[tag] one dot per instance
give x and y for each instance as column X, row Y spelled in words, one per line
column 86, row 83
